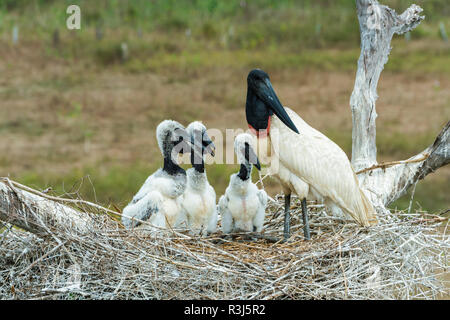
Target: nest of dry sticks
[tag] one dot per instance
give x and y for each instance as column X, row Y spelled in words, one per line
column 404, row 257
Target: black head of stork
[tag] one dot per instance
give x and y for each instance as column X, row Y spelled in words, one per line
column 262, row 102
column 244, row 150
column 201, row 145
column 173, row 139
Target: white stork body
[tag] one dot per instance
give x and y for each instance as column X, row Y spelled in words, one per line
column 312, row 166
column 158, row 201
column 199, row 198
column 243, row 205
column 199, row 203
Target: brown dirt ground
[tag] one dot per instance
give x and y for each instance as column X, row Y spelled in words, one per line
column 56, row 115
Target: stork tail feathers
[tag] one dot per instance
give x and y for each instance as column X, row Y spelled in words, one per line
column 359, row 207
column 361, row 210
column 367, row 215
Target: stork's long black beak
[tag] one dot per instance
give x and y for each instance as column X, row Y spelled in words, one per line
column 266, row 93
column 251, row 156
column 257, row 164
column 201, row 144
column 209, row 147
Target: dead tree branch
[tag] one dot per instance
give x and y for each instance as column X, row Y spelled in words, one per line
column 37, row 214
column 385, row 182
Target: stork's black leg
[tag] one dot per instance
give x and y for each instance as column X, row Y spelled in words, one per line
column 305, row 220
column 287, row 216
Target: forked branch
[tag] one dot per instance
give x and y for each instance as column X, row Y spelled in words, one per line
column 386, row 182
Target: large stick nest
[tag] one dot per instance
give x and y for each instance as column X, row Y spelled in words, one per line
column 404, row 257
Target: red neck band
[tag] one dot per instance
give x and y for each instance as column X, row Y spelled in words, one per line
column 261, row 133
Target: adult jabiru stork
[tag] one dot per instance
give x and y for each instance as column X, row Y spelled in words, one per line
column 309, row 164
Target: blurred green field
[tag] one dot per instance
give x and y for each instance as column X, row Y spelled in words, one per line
column 233, row 24
column 73, row 107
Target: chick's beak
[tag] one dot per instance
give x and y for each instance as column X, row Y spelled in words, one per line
column 209, row 147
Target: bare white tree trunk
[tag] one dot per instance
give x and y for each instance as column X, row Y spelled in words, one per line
column 387, row 182
column 377, row 25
